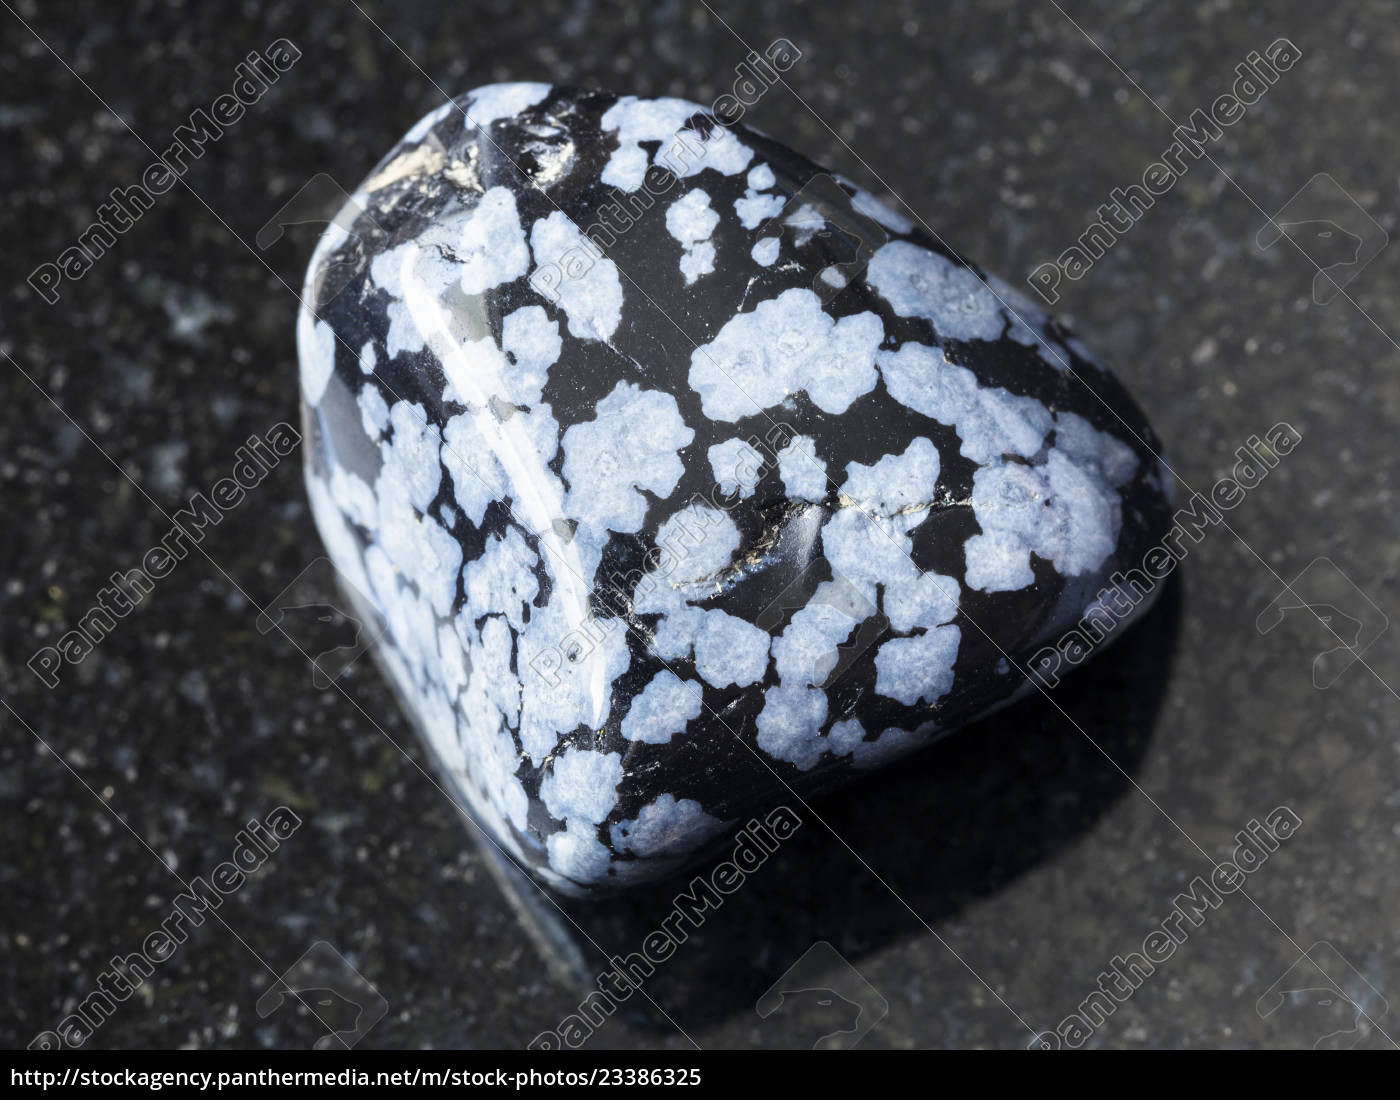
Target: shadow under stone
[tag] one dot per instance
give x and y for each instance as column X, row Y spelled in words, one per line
column 942, row 829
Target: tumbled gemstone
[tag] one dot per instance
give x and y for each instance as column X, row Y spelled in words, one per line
column 684, row 480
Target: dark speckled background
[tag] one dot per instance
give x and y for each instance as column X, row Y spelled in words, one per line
column 980, row 890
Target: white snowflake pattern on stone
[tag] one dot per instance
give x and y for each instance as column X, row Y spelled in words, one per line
column 682, row 151
column 691, row 220
column 587, row 283
column 666, row 827
column 662, row 709
column 628, row 447
column 492, row 248
column 785, row 345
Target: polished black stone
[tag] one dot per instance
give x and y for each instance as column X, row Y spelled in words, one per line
column 684, row 480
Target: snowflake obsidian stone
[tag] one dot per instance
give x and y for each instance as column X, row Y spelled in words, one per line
column 678, row 473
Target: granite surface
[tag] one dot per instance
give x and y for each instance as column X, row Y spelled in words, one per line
column 974, row 896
